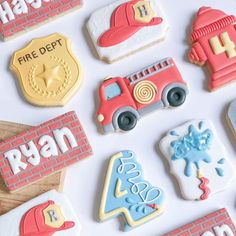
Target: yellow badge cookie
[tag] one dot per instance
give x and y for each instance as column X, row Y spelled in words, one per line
column 48, row 72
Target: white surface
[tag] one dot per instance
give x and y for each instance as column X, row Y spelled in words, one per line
column 84, row 181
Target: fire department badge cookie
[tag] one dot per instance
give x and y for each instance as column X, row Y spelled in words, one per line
column 197, row 159
column 48, row 72
column 126, row 193
column 49, row 214
column 213, row 41
column 126, row 26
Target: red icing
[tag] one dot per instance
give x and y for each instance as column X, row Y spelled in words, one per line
column 210, row 23
column 124, row 25
column 161, row 78
column 32, row 223
column 203, row 186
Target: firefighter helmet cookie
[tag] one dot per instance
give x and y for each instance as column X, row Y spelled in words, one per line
column 127, row 193
column 48, row 72
column 49, row 214
column 213, row 41
column 124, row 100
column 124, row 27
column 197, row 159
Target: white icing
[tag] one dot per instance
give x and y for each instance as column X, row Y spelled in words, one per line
column 31, row 153
column 49, row 147
column 10, row 227
column 14, row 158
column 20, row 7
column 190, row 185
column 223, row 230
column 6, row 13
column 99, row 22
column 208, row 233
column 60, row 135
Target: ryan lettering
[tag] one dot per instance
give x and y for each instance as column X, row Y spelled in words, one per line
column 47, row 146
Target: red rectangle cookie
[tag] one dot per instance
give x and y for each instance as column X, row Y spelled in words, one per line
column 19, row 15
column 43, row 150
column 218, row 223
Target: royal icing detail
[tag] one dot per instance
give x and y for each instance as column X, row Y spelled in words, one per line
column 213, row 40
column 123, row 100
column 126, row 26
column 48, row 72
column 126, row 192
column 217, row 223
column 19, row 15
column 197, row 159
column 49, row 214
column 42, row 150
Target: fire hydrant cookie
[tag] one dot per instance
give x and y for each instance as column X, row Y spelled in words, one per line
column 218, row 223
column 126, row 192
column 43, row 150
column 18, row 16
column 124, row 100
column 197, row 159
column 48, row 72
column 49, row 214
column 213, row 41
column 125, row 27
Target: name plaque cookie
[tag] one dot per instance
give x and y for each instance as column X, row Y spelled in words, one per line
column 17, row 16
column 42, row 150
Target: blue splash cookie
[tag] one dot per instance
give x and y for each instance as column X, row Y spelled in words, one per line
column 126, row 193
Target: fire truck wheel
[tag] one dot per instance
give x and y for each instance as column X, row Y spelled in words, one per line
column 176, row 97
column 127, row 121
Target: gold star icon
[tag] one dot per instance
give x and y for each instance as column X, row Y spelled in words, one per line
column 50, row 74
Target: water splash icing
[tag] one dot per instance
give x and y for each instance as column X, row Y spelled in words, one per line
column 220, row 172
column 193, row 148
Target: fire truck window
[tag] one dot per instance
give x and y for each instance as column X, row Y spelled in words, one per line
column 112, row 91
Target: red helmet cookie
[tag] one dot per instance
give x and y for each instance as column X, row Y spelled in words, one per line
column 44, row 220
column 126, row 20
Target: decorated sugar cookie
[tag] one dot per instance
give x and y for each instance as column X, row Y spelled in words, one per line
column 17, row 16
column 47, row 215
column 197, row 159
column 231, row 116
column 48, row 72
column 213, row 41
column 126, row 26
column 124, row 100
column 43, row 150
column 127, row 193
column 218, row 223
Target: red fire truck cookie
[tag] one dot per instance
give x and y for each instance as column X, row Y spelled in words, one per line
column 218, row 223
column 213, row 40
column 124, row 100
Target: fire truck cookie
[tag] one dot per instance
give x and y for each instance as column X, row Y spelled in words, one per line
column 197, row 159
column 49, row 214
column 124, row 100
column 213, row 40
column 126, row 26
column 218, row 223
column 127, row 193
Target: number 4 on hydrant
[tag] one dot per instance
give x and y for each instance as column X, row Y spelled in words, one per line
column 124, row 100
column 213, row 40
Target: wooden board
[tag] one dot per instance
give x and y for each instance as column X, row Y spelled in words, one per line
column 8, row 201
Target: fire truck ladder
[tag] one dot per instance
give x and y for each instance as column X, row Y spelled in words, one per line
column 150, row 70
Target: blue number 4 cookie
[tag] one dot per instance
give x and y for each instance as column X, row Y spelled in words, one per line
column 127, row 193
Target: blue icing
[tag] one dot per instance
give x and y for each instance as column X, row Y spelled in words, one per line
column 222, row 161
column 174, row 133
column 200, row 125
column 220, row 172
column 140, row 193
column 193, row 148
